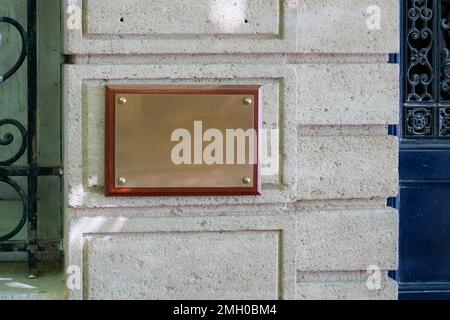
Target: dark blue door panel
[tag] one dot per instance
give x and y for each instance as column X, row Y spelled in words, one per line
column 424, row 209
column 424, row 132
column 425, row 164
column 425, row 225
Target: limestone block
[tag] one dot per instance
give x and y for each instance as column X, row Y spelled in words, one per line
column 183, row 26
column 181, row 17
column 348, row 26
column 348, row 94
column 221, row 26
column 346, row 286
column 206, row 265
column 347, row 239
column 191, row 257
column 347, row 167
column 84, row 112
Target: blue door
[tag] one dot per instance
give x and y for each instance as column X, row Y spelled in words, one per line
column 424, row 196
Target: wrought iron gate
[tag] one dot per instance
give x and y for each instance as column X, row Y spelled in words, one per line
column 28, row 136
column 426, row 45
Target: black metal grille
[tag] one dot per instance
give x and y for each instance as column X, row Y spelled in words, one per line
column 426, row 69
column 28, row 136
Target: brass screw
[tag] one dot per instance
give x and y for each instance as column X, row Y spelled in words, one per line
column 248, row 101
column 246, row 180
column 122, row 100
column 122, row 181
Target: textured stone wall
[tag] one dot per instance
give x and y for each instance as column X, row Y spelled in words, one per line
column 321, row 220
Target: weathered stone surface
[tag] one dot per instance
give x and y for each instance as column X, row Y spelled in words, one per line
column 331, row 114
column 347, row 240
column 352, row 286
column 191, row 257
column 217, row 26
column 213, row 26
column 184, row 265
column 348, row 94
column 332, row 167
column 347, row 26
column 182, row 17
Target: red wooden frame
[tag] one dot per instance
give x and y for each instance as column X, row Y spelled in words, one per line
column 110, row 179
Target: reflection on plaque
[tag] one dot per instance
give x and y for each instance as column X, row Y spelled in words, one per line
column 182, row 140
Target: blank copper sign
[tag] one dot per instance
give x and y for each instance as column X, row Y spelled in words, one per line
column 182, row 140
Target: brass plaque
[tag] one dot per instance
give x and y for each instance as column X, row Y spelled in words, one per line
column 182, row 140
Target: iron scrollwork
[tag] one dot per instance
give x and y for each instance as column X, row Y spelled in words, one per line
column 426, row 102
column 444, row 122
column 8, row 138
column 445, row 52
column 420, row 42
column 28, row 146
column 23, row 51
column 419, row 121
column 23, row 198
